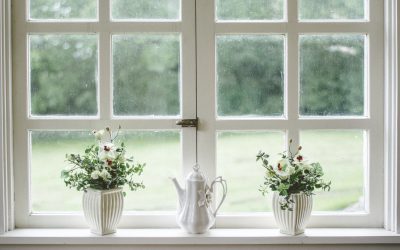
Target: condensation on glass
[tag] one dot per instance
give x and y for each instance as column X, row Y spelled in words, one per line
column 146, row 9
column 146, row 75
column 236, row 154
column 63, row 10
column 48, row 151
column 332, row 75
column 63, row 74
column 335, row 10
column 250, row 75
column 250, row 10
column 341, row 155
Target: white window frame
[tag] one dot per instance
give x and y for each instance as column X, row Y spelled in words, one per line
column 292, row 123
column 207, row 129
column 6, row 141
column 104, row 28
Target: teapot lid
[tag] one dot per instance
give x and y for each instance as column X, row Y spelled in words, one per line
column 196, row 175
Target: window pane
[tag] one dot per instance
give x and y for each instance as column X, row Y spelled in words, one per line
column 63, row 74
column 146, row 74
column 332, row 75
column 250, row 9
column 63, row 10
column 48, row 159
column 146, row 9
column 162, row 153
column 340, row 153
column 250, row 75
column 331, row 9
column 236, row 162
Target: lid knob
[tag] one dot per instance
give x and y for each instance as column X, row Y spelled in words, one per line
column 196, row 167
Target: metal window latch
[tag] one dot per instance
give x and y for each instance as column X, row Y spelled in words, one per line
column 188, row 123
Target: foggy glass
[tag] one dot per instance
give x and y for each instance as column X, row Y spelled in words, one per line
column 236, row 10
column 146, row 75
column 63, row 74
column 331, row 9
column 63, row 10
column 250, row 75
column 332, row 75
column 146, row 9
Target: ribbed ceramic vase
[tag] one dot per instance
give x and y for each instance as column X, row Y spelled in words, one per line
column 103, row 209
column 292, row 222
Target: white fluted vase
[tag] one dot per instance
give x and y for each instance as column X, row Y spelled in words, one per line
column 103, row 209
column 292, row 222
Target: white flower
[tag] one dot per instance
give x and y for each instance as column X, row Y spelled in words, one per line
column 80, row 171
column 299, row 160
column 98, row 134
column 105, row 175
column 95, row 175
column 283, row 168
column 107, row 151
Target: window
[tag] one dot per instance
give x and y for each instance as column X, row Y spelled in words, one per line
column 256, row 73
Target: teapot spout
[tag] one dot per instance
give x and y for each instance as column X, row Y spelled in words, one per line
column 181, row 192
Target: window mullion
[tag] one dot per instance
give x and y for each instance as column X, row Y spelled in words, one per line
column 206, row 101
column 292, row 73
column 188, row 82
column 105, row 64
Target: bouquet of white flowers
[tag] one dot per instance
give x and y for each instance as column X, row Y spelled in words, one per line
column 292, row 174
column 103, row 166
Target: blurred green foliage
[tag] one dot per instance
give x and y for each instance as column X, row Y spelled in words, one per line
column 332, row 75
column 146, row 67
column 250, row 74
column 331, row 9
column 249, row 9
column 146, row 73
column 63, row 74
column 145, row 9
column 63, row 9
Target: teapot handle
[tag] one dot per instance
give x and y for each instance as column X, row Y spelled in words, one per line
column 224, row 189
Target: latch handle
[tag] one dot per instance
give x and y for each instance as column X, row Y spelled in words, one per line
column 188, row 123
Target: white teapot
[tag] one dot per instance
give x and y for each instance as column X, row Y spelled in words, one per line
column 195, row 213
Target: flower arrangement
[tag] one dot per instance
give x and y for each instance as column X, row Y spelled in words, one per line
column 102, row 166
column 292, row 174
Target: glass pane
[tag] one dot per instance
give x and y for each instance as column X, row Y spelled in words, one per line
column 250, row 75
column 63, row 74
column 332, row 9
column 332, row 75
column 48, row 159
column 146, row 9
column 146, row 74
column 250, row 9
column 341, row 156
column 162, row 153
column 63, row 10
column 236, row 162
